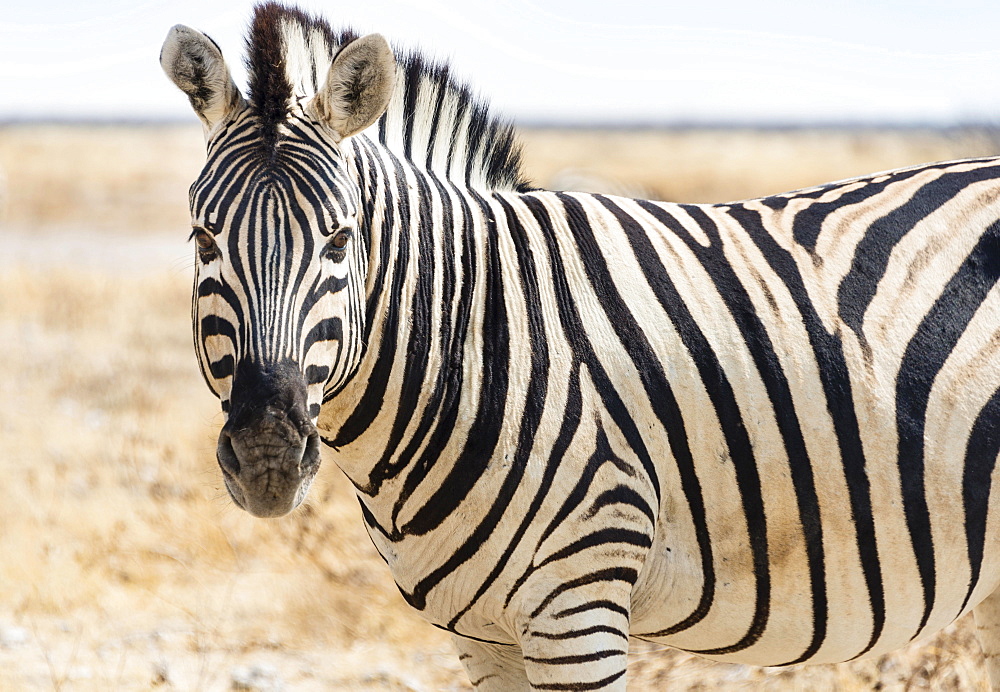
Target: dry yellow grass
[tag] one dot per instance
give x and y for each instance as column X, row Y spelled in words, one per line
column 721, row 165
column 125, row 566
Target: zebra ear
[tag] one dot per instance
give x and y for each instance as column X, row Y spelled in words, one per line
column 358, row 86
column 195, row 64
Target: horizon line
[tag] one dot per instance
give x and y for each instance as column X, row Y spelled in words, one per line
column 624, row 124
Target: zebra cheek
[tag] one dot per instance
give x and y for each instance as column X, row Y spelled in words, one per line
column 316, row 378
column 314, row 401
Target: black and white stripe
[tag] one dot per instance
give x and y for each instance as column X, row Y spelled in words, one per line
column 762, row 431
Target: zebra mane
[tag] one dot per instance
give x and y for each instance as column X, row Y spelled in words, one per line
column 433, row 120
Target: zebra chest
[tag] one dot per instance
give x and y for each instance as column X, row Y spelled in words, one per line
column 527, row 525
column 455, row 578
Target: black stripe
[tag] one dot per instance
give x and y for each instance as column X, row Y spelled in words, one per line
column 579, row 686
column 754, row 334
column 452, row 365
column 223, row 367
column 461, row 108
column 411, row 85
column 621, row 495
column 837, row 389
column 576, row 634
column 977, row 478
column 391, row 210
column 317, row 374
column 372, row 399
column 484, row 433
column 600, row 604
column 247, row 206
column 531, row 417
column 576, row 335
column 442, row 75
column 576, row 659
column 720, row 392
column 723, row 399
column 925, row 355
column 871, row 257
column 601, row 537
column 610, row 574
column 417, row 350
column 567, row 431
column 809, row 221
column 633, row 341
column 447, row 387
column 443, row 400
column 602, row 454
column 213, row 325
column 834, row 376
column 329, row 329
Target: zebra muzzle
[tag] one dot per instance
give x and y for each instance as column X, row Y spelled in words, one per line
column 269, row 448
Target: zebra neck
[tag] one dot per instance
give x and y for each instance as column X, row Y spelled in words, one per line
column 436, row 333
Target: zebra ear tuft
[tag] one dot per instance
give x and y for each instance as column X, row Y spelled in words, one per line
column 195, row 64
column 358, row 86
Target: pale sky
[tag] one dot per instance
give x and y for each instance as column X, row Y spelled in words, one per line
column 622, row 61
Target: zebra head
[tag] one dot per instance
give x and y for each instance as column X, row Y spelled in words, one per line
column 278, row 305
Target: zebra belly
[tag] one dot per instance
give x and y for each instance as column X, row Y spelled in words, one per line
column 791, row 628
column 790, row 587
column 752, row 569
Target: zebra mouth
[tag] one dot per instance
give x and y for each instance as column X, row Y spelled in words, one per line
column 269, row 449
column 268, row 477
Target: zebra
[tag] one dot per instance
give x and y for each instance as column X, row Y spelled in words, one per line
column 762, row 432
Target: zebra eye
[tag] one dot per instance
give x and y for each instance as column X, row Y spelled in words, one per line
column 207, row 249
column 335, row 249
column 339, row 241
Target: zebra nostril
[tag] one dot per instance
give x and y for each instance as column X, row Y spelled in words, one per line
column 227, row 456
column 310, row 454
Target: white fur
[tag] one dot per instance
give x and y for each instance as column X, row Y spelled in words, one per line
column 195, row 64
column 358, row 86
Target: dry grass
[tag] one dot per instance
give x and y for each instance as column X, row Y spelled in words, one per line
column 719, row 165
column 125, row 565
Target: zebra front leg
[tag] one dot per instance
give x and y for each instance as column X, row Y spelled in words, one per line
column 576, row 638
column 987, row 616
column 496, row 667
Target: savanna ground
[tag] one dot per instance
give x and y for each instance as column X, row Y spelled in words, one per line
column 124, row 565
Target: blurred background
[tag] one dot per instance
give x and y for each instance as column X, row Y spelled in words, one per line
column 123, row 564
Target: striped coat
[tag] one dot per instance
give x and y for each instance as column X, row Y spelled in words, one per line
column 762, row 431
